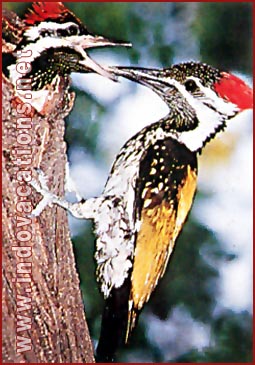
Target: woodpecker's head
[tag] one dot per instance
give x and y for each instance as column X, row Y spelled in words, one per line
column 58, row 41
column 200, row 98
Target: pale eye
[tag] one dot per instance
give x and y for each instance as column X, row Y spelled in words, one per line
column 190, row 85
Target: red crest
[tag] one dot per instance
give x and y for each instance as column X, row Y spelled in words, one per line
column 235, row 90
column 45, row 10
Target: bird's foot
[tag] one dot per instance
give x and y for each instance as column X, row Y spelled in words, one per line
column 41, row 186
column 84, row 209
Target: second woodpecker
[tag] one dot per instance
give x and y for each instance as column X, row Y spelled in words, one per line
column 151, row 187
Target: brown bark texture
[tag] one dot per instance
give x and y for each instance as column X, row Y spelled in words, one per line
column 43, row 313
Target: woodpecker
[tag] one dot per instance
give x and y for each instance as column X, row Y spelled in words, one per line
column 151, row 187
column 52, row 45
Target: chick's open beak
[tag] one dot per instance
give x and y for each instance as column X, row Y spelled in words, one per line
column 90, row 41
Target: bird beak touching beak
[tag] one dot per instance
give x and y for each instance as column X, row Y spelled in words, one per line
column 156, row 80
column 90, row 41
column 149, row 77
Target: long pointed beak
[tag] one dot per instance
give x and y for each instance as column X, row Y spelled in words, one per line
column 90, row 41
column 93, row 66
column 149, row 77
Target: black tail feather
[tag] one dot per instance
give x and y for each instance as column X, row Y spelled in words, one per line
column 114, row 323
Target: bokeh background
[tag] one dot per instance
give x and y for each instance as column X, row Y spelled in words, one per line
column 202, row 309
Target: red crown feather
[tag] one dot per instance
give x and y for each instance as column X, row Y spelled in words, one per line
column 45, row 10
column 235, row 90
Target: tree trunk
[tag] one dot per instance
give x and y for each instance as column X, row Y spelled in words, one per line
column 43, row 314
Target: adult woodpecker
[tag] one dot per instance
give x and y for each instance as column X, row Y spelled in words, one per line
column 151, row 187
column 53, row 44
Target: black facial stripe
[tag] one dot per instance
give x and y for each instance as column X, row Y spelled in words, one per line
column 216, row 110
column 7, row 60
column 68, row 17
column 212, row 107
column 60, row 32
column 45, row 33
column 24, row 42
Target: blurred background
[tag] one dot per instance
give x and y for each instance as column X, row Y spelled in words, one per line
column 202, row 309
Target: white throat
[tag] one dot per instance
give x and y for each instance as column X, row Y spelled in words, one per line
column 211, row 112
column 208, row 125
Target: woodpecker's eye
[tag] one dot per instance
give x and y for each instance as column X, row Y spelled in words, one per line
column 190, row 85
column 73, row 30
column 62, row 32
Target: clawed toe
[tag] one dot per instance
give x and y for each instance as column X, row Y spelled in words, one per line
column 41, row 187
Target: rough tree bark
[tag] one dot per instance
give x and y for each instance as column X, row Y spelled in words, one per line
column 58, row 331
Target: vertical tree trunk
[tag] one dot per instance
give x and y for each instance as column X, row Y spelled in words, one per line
column 43, row 314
